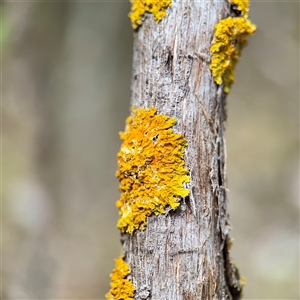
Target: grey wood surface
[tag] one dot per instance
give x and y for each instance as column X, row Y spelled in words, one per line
column 183, row 254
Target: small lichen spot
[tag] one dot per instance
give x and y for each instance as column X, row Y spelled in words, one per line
column 140, row 7
column 242, row 6
column 151, row 168
column 230, row 38
column 121, row 287
column 243, row 284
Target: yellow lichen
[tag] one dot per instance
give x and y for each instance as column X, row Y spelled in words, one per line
column 151, row 168
column 230, row 38
column 140, row 7
column 242, row 284
column 121, row 288
column 242, row 6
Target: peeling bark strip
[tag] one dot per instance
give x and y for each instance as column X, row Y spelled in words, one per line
column 184, row 253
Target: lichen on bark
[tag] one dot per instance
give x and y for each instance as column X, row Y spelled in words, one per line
column 151, row 168
column 229, row 39
column 121, row 287
column 140, row 7
column 184, row 253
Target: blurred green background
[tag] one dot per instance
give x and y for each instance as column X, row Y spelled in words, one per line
column 66, row 70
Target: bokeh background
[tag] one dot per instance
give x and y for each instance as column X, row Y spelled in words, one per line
column 66, row 69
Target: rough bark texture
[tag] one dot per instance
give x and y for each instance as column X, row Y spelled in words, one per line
column 184, row 253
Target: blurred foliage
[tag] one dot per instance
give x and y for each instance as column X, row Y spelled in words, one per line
column 66, row 87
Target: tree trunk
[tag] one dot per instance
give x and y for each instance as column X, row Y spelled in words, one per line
column 183, row 254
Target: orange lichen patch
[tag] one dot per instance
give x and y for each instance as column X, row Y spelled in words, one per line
column 121, row 288
column 140, row 7
column 230, row 38
column 151, row 168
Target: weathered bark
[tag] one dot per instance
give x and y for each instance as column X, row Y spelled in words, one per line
column 184, row 253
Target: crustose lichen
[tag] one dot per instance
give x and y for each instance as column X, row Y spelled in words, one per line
column 151, row 168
